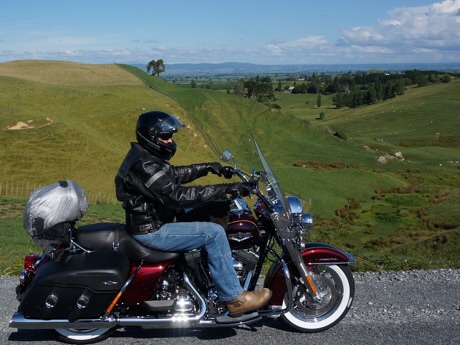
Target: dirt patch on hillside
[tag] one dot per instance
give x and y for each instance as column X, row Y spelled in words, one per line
column 30, row 124
column 323, row 165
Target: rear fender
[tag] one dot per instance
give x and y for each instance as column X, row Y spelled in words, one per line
column 314, row 254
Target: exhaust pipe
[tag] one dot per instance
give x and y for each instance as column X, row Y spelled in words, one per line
column 20, row 322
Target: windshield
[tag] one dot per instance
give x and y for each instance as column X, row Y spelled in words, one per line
column 282, row 216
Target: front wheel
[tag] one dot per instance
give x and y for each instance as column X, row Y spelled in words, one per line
column 336, row 288
column 83, row 336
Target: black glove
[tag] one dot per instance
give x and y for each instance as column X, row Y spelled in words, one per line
column 215, row 168
column 238, row 189
column 227, row 172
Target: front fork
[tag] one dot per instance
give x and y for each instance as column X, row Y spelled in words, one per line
column 305, row 274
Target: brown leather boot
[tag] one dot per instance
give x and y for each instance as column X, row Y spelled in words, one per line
column 249, row 301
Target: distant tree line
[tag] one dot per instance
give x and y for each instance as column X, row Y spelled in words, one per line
column 362, row 88
column 350, row 89
column 369, row 93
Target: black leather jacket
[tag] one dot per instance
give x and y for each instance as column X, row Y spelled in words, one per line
column 152, row 192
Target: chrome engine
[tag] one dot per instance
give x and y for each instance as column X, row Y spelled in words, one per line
column 244, row 262
column 173, row 296
column 177, row 298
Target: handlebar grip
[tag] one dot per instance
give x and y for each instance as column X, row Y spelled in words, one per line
column 227, row 172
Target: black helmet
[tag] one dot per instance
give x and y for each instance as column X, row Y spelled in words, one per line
column 152, row 125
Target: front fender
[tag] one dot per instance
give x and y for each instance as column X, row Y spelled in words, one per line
column 314, row 254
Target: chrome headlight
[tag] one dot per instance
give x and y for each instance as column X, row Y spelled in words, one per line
column 295, row 205
column 307, row 221
column 303, row 220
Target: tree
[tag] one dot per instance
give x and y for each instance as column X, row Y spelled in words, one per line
column 239, row 89
column 302, row 88
column 260, row 88
column 318, row 100
column 371, row 95
column 157, row 67
column 279, row 86
column 339, row 100
column 445, row 78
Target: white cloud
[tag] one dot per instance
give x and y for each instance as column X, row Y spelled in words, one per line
column 412, row 30
column 306, row 42
column 446, row 7
column 415, row 34
column 300, row 44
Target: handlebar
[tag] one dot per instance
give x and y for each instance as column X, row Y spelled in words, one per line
column 247, row 179
column 242, row 175
column 253, row 179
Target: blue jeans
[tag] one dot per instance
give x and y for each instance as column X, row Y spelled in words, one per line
column 186, row 236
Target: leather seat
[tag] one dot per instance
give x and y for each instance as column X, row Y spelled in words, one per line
column 113, row 236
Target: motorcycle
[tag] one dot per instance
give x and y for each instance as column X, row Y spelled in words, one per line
column 93, row 279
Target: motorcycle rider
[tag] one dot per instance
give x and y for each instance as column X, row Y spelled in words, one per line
column 152, row 192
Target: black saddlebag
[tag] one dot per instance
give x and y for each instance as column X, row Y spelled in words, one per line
column 81, row 287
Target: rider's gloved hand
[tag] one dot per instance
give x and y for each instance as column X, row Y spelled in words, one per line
column 227, row 172
column 238, row 189
column 215, row 168
column 251, row 184
column 246, row 189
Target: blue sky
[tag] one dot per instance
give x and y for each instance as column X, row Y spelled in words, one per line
column 214, row 31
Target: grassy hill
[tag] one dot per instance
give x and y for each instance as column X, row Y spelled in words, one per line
column 82, row 128
column 76, row 126
column 61, row 120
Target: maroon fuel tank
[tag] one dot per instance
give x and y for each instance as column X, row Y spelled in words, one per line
column 242, row 230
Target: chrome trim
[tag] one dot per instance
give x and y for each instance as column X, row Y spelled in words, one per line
column 75, row 244
column 287, row 277
column 247, row 281
column 306, row 221
column 241, row 204
column 20, row 322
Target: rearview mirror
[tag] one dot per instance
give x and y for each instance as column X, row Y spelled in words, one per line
column 226, row 156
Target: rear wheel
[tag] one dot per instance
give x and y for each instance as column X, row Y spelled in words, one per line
column 336, row 287
column 84, row 336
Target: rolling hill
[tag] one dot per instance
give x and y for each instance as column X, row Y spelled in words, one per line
column 62, row 120
column 79, row 127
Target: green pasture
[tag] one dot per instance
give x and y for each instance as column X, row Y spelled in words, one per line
column 76, row 122
column 304, row 106
column 423, row 125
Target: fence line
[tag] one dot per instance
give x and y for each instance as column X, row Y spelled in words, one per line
column 22, row 189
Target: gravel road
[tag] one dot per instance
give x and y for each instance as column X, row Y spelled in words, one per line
column 415, row 307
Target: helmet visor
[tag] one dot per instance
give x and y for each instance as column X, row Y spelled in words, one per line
column 166, row 127
column 165, row 136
